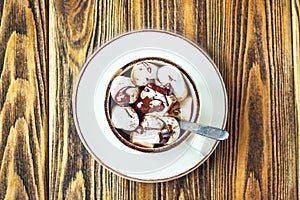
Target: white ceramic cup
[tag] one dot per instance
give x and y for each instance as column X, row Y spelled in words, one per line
column 124, row 69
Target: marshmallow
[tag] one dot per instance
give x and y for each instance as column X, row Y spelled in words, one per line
column 182, row 110
column 143, row 72
column 154, row 101
column 123, row 91
column 171, row 75
column 124, row 118
column 152, row 123
column 156, row 130
column 173, row 129
column 142, row 141
column 149, row 131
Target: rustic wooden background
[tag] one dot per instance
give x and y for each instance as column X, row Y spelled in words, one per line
column 255, row 44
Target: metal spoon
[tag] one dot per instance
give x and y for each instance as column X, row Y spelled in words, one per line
column 207, row 131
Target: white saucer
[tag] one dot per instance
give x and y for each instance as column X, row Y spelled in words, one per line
column 90, row 119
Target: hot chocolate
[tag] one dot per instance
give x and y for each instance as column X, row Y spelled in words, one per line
column 147, row 100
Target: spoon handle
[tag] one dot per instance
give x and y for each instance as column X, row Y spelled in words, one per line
column 207, row 131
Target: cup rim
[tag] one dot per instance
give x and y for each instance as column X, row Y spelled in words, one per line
column 184, row 136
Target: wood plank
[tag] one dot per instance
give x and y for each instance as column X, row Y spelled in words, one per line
column 254, row 53
column 250, row 41
column 296, row 65
column 23, row 100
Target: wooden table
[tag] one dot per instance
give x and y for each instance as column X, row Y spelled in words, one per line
column 255, row 44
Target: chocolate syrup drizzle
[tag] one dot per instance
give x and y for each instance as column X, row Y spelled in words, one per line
column 165, row 132
column 142, row 107
column 122, row 97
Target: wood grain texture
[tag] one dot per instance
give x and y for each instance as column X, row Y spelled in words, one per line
column 296, row 64
column 255, row 45
column 23, row 100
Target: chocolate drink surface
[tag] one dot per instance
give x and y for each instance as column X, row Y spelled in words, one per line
column 147, row 99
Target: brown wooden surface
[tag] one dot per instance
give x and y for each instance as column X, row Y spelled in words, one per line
column 255, row 44
column 23, row 100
